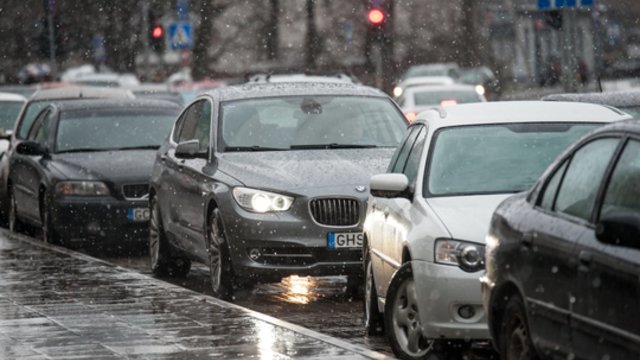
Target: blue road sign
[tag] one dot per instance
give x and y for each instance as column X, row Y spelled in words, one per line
column 180, row 35
column 563, row 4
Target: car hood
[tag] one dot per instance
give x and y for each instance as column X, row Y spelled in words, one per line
column 467, row 217
column 114, row 166
column 298, row 169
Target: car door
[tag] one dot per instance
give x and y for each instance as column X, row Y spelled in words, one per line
column 395, row 211
column 26, row 170
column 605, row 321
column 549, row 240
column 192, row 179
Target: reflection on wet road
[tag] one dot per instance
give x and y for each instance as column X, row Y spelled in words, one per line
column 323, row 304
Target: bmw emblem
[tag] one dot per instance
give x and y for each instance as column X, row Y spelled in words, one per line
column 361, row 188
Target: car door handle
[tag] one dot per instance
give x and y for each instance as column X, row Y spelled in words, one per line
column 527, row 240
column 163, row 157
column 584, row 260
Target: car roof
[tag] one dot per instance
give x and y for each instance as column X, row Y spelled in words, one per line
column 520, row 111
column 119, row 104
column 438, row 88
column 267, row 90
column 620, row 99
column 5, row 96
column 81, row 92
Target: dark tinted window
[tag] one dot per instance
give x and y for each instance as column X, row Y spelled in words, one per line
column 582, row 180
column 552, row 188
column 623, row 191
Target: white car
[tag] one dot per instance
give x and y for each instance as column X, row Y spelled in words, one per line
column 402, row 86
column 10, row 106
column 428, row 216
column 419, row 98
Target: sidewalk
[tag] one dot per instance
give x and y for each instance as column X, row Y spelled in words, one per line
column 60, row 304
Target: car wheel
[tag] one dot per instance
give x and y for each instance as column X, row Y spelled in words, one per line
column 401, row 318
column 15, row 225
column 162, row 264
column 220, row 270
column 49, row 234
column 373, row 322
column 516, row 340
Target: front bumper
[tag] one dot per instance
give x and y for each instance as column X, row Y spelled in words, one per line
column 98, row 220
column 288, row 243
column 443, row 290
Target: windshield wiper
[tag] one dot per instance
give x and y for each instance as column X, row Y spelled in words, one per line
column 82, row 150
column 252, row 148
column 333, row 146
column 141, row 147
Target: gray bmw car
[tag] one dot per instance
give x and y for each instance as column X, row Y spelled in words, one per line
column 265, row 181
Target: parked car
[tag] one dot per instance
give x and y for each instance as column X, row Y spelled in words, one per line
column 420, row 98
column 563, row 259
column 427, row 217
column 264, row 181
column 38, row 101
column 82, row 172
column 627, row 100
column 427, row 74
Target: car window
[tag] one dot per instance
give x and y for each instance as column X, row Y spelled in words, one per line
column 551, row 190
column 42, row 135
column 413, row 161
column 400, row 158
column 196, row 125
column 31, row 112
column 37, row 124
column 579, row 188
column 9, row 111
column 623, row 191
column 179, row 124
column 495, row 158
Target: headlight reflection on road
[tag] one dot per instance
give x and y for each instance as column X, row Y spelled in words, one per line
column 299, row 290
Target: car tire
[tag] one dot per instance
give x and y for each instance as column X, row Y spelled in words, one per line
column 401, row 319
column 161, row 261
column 15, row 225
column 220, row 271
column 514, row 332
column 49, row 234
column 373, row 321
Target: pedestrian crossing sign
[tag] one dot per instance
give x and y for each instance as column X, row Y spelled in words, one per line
column 180, row 35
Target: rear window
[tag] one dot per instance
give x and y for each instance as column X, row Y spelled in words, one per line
column 438, row 97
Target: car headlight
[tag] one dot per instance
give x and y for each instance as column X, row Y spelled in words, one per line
column 261, row 201
column 468, row 256
column 82, row 188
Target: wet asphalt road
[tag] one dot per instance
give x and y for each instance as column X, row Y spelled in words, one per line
column 323, row 304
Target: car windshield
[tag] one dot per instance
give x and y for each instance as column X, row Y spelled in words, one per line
column 107, row 130
column 299, row 122
column 430, row 97
column 9, row 111
column 498, row 158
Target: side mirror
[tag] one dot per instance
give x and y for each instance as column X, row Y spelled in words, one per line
column 620, row 229
column 5, row 134
column 31, row 148
column 190, row 149
column 389, row 185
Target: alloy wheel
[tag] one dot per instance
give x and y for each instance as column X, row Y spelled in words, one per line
column 154, row 236
column 216, row 243
column 12, row 213
column 406, row 322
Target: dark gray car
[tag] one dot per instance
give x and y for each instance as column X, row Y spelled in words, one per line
column 265, row 181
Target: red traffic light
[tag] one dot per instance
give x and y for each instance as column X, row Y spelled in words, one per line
column 376, row 16
column 157, row 32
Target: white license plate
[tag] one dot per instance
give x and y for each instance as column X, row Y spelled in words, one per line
column 138, row 214
column 345, row 240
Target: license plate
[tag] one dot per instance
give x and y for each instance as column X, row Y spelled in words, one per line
column 345, row 240
column 138, row 214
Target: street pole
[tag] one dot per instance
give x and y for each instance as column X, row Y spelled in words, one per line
column 145, row 38
column 52, row 42
column 569, row 61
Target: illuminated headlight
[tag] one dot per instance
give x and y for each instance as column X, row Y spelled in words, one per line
column 397, row 91
column 480, row 89
column 468, row 256
column 82, row 188
column 261, row 201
